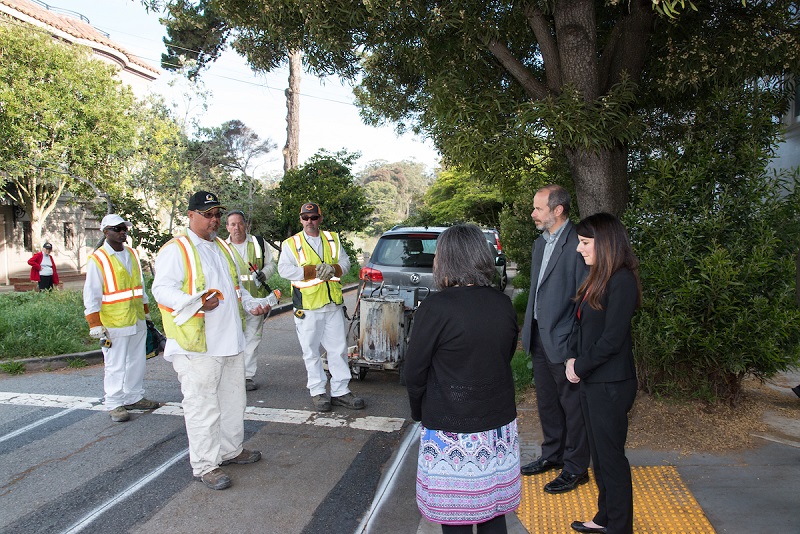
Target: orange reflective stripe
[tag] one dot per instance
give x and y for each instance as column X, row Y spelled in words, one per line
column 104, row 262
column 169, row 310
column 188, row 258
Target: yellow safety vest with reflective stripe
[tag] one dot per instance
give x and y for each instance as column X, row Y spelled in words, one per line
column 246, row 277
column 315, row 293
column 192, row 334
column 122, row 303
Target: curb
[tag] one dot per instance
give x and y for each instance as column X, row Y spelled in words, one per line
column 93, row 357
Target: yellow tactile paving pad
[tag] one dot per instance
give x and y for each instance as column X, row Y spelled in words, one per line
column 662, row 504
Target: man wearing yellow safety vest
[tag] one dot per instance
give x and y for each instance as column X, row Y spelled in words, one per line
column 255, row 267
column 314, row 260
column 116, row 309
column 202, row 306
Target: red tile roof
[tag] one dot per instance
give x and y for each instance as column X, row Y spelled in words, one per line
column 73, row 26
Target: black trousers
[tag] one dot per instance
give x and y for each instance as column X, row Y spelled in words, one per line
column 492, row 526
column 45, row 282
column 605, row 407
column 559, row 404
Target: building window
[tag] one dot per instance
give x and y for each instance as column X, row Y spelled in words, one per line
column 69, row 236
column 27, row 236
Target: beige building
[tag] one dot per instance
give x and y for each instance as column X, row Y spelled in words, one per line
column 787, row 155
column 71, row 228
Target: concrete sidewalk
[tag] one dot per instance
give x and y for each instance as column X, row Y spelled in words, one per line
column 754, row 490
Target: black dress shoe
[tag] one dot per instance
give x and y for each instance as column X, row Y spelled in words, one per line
column 566, row 482
column 580, row 527
column 539, row 466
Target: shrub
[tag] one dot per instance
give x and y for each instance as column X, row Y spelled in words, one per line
column 717, row 237
column 522, row 370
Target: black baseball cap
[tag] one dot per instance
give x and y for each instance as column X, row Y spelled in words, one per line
column 204, row 201
column 310, row 208
column 47, row 245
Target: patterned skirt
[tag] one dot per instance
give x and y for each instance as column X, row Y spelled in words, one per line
column 468, row 478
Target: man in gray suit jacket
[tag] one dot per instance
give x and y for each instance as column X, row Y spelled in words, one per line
column 557, row 270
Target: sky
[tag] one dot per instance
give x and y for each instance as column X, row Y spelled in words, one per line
column 328, row 117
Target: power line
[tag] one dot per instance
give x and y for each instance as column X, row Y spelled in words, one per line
column 231, row 78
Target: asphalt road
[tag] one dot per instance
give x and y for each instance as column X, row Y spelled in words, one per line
column 67, row 468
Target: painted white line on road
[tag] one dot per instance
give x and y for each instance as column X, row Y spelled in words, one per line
column 37, row 423
column 252, row 413
column 775, row 439
column 86, row 520
column 391, row 477
column 48, row 401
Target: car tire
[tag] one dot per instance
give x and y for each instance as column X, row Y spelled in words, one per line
column 503, row 280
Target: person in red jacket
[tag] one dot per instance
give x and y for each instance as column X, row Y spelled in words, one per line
column 43, row 268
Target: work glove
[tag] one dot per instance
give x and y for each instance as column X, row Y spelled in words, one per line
column 98, row 332
column 324, row 271
column 261, row 277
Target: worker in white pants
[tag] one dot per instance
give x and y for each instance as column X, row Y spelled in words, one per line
column 314, row 261
column 253, row 332
column 116, row 309
column 203, row 310
column 213, row 403
column 324, row 326
column 256, row 265
column 123, row 380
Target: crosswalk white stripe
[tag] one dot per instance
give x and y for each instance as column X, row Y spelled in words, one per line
column 86, row 520
column 252, row 413
column 37, row 423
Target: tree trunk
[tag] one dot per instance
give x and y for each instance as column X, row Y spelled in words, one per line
column 291, row 152
column 601, row 181
column 39, row 198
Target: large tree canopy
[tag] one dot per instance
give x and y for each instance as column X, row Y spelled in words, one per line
column 65, row 121
column 325, row 178
column 495, row 83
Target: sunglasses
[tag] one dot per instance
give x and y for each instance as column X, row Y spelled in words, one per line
column 118, row 229
column 310, row 217
column 216, row 215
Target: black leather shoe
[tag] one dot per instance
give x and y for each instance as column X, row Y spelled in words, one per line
column 566, row 482
column 539, row 466
column 580, row 527
column 796, row 390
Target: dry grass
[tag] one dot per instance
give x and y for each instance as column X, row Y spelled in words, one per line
column 695, row 427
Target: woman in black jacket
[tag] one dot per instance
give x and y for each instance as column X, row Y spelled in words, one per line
column 460, row 385
column 604, row 365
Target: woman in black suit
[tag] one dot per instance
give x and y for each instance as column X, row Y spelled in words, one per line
column 604, row 365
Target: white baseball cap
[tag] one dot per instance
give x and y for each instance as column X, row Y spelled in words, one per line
column 112, row 219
